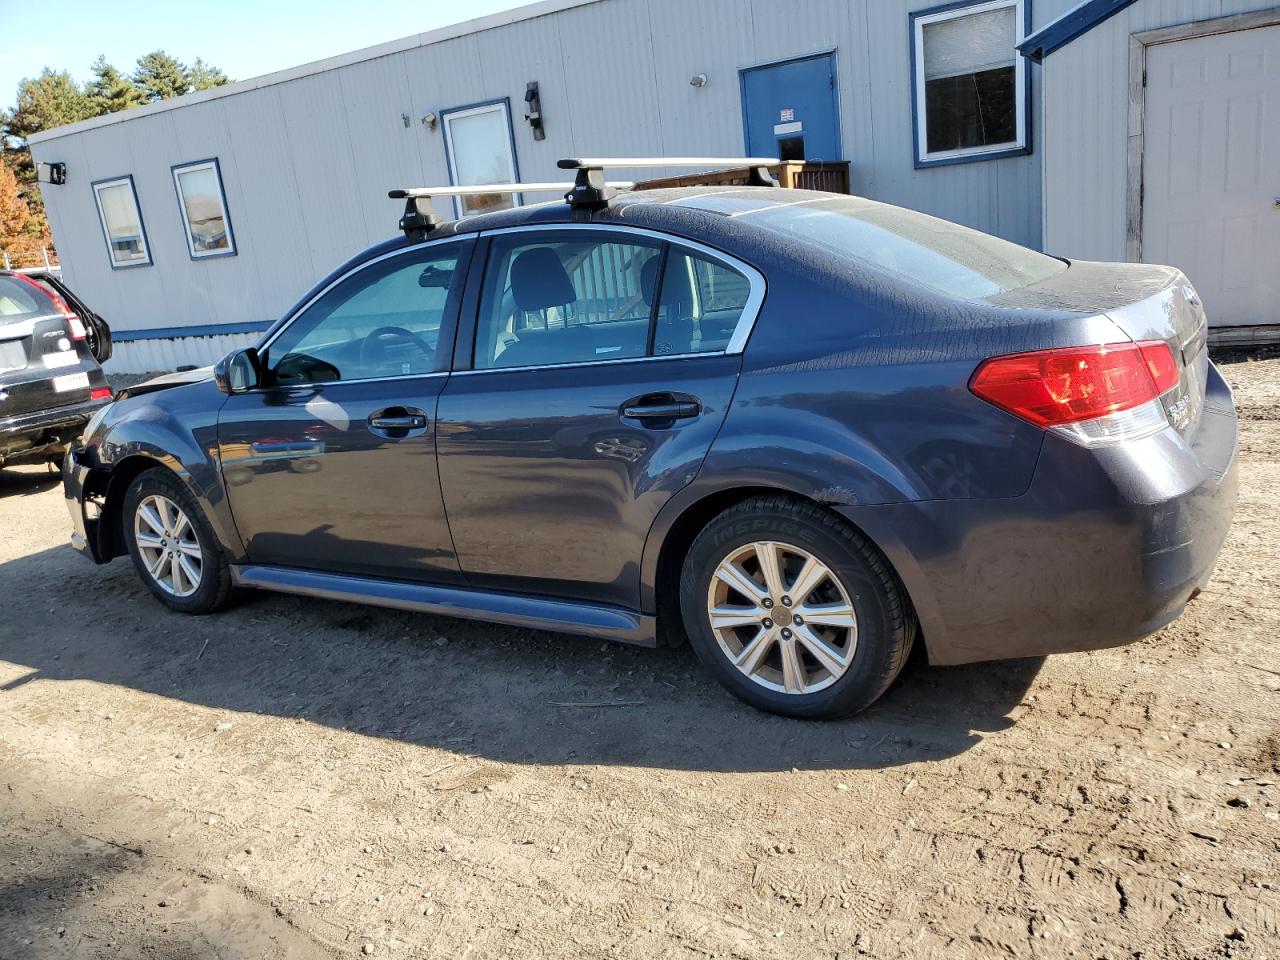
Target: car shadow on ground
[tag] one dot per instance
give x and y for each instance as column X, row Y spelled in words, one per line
column 28, row 482
column 498, row 692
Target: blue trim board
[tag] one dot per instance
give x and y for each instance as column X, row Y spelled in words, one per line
column 178, row 333
column 1074, row 23
column 996, row 153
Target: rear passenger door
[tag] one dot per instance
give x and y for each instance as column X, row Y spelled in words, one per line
column 597, row 369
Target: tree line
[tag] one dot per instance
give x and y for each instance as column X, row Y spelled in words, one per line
column 54, row 99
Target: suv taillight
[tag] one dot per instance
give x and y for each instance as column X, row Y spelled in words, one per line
column 1096, row 394
column 75, row 326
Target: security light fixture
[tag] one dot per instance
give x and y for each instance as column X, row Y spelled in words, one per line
column 698, row 80
column 51, row 173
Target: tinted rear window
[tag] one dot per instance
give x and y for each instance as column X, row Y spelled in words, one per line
column 21, row 301
column 945, row 256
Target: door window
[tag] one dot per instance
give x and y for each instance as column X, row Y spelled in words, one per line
column 573, row 298
column 382, row 321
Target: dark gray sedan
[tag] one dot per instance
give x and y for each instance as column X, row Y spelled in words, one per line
column 802, row 429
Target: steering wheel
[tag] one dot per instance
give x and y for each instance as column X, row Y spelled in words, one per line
column 384, row 334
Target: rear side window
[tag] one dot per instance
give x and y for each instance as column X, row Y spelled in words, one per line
column 20, row 300
column 577, row 297
column 945, row 256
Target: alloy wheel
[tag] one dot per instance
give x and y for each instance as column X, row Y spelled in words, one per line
column 782, row 617
column 168, row 546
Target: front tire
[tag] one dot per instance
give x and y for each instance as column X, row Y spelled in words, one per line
column 173, row 548
column 793, row 610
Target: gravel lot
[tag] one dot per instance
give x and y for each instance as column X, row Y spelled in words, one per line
column 309, row 779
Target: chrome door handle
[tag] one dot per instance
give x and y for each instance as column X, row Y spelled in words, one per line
column 406, row 422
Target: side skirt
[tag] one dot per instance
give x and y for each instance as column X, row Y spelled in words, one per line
column 566, row 616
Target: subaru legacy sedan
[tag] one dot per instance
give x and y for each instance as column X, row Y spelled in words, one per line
column 802, row 430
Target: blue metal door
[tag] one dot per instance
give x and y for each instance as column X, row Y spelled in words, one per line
column 789, row 109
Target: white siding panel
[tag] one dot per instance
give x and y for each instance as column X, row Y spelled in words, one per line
column 1086, row 87
column 165, row 356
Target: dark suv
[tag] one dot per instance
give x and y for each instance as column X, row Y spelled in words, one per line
column 51, row 382
column 799, row 428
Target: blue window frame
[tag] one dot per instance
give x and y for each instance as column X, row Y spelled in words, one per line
column 121, row 220
column 970, row 89
column 202, row 205
column 480, row 148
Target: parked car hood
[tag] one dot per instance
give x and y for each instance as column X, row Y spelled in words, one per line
column 181, row 378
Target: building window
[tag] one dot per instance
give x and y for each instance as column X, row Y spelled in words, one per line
column 480, row 149
column 122, row 223
column 203, row 206
column 969, row 83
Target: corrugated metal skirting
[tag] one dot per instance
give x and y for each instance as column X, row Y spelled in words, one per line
column 165, row 356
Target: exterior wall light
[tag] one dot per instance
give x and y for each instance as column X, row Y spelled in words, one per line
column 698, row 80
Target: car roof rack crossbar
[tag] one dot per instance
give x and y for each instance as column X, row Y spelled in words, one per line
column 589, row 192
column 419, row 218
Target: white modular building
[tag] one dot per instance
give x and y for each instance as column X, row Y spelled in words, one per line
column 1110, row 129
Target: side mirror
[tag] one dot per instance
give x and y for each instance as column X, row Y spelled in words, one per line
column 238, row 371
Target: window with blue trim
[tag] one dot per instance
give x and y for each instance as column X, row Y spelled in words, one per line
column 969, row 82
column 203, row 206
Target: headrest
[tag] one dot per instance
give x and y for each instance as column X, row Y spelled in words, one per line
column 675, row 286
column 539, row 280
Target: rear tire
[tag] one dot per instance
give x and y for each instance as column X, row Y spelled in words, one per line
column 173, row 548
column 828, row 651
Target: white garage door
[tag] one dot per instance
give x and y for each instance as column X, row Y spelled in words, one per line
column 1211, row 170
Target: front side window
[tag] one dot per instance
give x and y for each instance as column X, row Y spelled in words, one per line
column 969, row 82
column 480, row 151
column 383, row 321
column 203, row 206
column 122, row 222
column 579, row 297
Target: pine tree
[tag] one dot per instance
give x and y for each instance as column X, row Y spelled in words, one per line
column 161, row 76
column 205, row 76
column 111, row 91
column 44, row 102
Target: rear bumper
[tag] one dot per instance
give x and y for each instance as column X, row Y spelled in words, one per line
column 1107, row 545
column 42, row 427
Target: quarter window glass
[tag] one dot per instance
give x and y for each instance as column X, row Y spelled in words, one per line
column 566, row 300
column 18, row 301
column 384, row 321
column 968, row 81
column 122, row 222
column 701, row 303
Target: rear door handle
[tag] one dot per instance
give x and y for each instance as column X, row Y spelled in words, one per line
column 398, row 418
column 666, row 408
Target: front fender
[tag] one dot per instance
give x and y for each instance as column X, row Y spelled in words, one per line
column 175, row 429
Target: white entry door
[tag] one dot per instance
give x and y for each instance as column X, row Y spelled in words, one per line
column 1211, row 170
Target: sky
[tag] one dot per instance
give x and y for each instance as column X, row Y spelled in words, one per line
column 246, row 38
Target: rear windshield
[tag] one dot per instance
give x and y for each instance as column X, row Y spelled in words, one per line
column 945, row 256
column 21, row 301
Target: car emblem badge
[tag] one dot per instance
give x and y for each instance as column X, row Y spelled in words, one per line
column 1190, row 295
column 4, row 395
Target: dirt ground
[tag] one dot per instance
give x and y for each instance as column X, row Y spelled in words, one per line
column 308, row 779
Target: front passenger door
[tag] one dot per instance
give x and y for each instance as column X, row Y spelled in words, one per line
column 330, row 464
column 600, row 376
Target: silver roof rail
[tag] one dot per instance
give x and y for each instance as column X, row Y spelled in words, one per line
column 419, row 219
column 589, row 187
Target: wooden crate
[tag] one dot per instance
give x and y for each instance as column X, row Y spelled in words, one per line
column 829, row 175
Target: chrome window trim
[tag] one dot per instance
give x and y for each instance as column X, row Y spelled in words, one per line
column 741, row 332
column 292, row 317
column 591, row 363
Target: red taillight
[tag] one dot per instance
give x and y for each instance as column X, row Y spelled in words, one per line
column 75, row 326
column 100, row 393
column 1054, row 387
